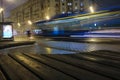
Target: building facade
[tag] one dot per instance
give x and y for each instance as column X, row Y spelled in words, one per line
column 37, row 10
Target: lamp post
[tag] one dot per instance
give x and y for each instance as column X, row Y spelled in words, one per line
column 47, row 17
column 2, row 11
column 92, row 6
column 29, row 22
column 91, row 9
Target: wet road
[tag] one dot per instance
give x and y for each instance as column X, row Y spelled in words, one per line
column 62, row 46
column 90, row 44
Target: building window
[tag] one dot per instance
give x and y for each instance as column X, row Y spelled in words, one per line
column 81, row 4
column 69, row 12
column 70, row 8
column 76, row 4
column 63, row 8
column 76, row 7
column 48, row 1
column 63, row 4
column 63, row 12
column 69, row 4
column 57, row 5
column 42, row 7
column 57, row 0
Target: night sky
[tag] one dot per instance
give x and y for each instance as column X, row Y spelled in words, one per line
column 103, row 4
column 108, row 4
column 11, row 4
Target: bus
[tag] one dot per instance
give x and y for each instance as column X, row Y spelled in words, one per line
column 80, row 24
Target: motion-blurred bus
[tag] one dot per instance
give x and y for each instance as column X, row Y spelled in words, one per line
column 80, row 24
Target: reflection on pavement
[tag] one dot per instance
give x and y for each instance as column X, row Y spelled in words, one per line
column 61, row 47
column 79, row 47
column 47, row 50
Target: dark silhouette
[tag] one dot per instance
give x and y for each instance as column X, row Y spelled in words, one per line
column 29, row 33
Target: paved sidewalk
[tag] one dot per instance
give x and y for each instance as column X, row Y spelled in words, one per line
column 83, row 66
column 8, row 44
column 23, row 38
column 79, row 47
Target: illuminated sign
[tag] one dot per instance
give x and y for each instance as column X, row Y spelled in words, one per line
column 7, row 31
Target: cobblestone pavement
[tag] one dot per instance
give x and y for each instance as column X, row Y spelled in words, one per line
column 79, row 47
column 51, row 46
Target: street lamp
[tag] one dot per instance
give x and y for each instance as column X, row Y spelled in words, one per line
column 47, row 17
column 11, row 1
column 91, row 9
column 1, row 10
column 29, row 22
column 18, row 24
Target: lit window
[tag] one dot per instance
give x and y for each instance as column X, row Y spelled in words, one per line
column 76, row 7
column 81, row 4
column 95, row 24
column 63, row 12
column 69, row 4
column 69, row 12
